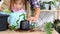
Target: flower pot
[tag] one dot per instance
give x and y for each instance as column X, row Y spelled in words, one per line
column 47, row 6
column 3, row 22
column 24, row 25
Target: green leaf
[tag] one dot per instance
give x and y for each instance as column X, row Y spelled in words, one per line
column 13, row 27
column 54, row 2
column 48, row 28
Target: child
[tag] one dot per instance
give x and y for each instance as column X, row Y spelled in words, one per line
column 18, row 14
column 16, row 5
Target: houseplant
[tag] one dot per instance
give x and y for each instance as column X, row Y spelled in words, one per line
column 42, row 5
column 48, row 27
column 56, row 25
column 51, row 4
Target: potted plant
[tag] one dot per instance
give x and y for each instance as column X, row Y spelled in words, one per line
column 50, row 5
column 42, row 5
column 56, row 25
column 48, row 28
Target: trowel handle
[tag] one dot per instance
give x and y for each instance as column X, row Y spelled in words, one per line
column 30, row 22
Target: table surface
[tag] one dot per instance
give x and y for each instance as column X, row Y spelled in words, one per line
column 35, row 32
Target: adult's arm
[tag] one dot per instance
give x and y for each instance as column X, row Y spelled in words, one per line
column 35, row 5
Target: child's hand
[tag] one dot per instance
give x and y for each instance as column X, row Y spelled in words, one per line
column 33, row 19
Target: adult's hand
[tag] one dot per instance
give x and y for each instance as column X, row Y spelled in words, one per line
column 36, row 16
column 33, row 19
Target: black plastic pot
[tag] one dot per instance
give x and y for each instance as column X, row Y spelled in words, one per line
column 3, row 22
column 0, row 0
column 24, row 25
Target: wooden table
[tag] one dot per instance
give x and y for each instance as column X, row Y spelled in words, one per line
column 14, row 32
